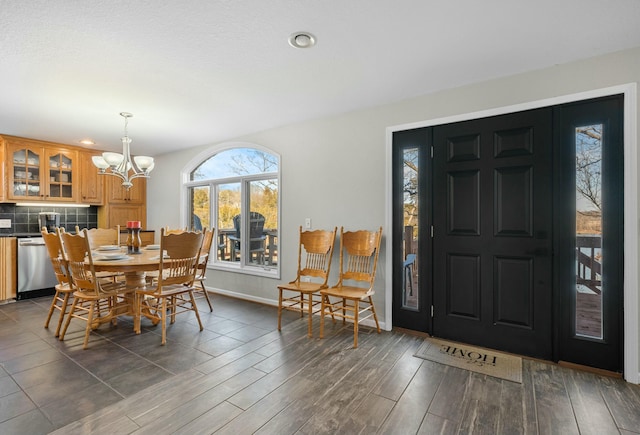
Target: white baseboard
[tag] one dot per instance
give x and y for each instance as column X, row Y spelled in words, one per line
column 367, row 322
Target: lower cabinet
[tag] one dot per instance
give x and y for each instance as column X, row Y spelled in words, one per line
column 8, row 268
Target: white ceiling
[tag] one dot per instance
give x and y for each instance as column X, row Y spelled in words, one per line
column 203, row 71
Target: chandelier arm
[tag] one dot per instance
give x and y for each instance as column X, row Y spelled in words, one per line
column 127, row 169
column 139, row 175
column 115, row 174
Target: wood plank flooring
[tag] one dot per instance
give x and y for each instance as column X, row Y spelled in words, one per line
column 241, row 376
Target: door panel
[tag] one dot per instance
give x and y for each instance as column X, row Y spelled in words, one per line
column 492, row 232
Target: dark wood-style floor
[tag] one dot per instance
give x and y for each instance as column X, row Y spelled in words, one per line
column 241, row 376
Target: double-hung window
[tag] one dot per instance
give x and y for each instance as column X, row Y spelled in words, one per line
column 236, row 192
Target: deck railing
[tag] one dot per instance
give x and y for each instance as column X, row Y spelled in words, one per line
column 588, row 256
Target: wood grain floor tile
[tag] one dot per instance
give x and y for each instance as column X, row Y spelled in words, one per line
column 242, row 376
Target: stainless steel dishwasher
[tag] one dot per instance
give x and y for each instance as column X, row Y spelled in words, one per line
column 35, row 273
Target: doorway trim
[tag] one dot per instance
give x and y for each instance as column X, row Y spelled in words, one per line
column 631, row 213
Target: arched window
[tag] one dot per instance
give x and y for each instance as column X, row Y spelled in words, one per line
column 236, row 191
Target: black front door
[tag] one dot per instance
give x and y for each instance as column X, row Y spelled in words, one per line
column 492, row 235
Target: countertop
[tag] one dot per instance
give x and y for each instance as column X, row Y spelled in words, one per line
column 20, row 235
column 23, row 235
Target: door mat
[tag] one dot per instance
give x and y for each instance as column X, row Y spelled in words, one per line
column 475, row 359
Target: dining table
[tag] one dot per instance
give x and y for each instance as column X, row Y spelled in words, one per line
column 134, row 267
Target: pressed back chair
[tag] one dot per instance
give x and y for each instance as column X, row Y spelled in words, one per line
column 94, row 301
column 102, row 237
column 359, row 252
column 173, row 290
column 64, row 290
column 315, row 250
column 202, row 265
column 168, row 230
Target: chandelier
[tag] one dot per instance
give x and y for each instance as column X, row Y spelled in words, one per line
column 121, row 165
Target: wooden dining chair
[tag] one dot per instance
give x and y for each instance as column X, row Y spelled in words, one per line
column 315, row 249
column 359, row 252
column 202, row 267
column 103, row 237
column 64, row 290
column 94, row 301
column 168, row 230
column 173, row 290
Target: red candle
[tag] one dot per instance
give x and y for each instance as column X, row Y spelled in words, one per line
column 133, row 224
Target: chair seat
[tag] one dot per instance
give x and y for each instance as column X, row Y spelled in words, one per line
column 111, row 289
column 64, row 288
column 303, row 287
column 167, row 290
column 347, row 292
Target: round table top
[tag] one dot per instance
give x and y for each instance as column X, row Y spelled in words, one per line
column 146, row 260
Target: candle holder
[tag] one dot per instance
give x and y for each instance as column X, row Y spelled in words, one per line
column 133, row 237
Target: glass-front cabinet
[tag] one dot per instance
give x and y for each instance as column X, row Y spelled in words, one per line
column 37, row 173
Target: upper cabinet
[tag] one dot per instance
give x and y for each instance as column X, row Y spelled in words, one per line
column 137, row 194
column 92, row 185
column 3, row 181
column 36, row 172
column 122, row 205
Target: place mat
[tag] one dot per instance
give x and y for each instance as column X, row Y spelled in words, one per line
column 112, row 257
column 475, row 359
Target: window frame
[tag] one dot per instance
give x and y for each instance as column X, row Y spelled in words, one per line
column 244, row 180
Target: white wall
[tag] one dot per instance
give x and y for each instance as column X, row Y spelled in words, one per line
column 333, row 169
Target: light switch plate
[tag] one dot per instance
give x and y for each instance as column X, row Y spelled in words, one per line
column 307, row 223
column 5, row 223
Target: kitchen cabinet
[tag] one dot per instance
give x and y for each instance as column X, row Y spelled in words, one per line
column 3, row 182
column 122, row 205
column 119, row 194
column 39, row 172
column 8, row 269
column 119, row 214
column 91, row 182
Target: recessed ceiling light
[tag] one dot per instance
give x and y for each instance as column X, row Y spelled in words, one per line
column 87, row 142
column 302, row 40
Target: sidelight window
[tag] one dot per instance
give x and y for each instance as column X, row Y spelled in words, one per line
column 410, row 292
column 589, row 286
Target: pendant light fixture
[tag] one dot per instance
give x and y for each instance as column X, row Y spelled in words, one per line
column 121, row 165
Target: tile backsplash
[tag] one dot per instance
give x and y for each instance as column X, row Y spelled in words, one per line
column 25, row 219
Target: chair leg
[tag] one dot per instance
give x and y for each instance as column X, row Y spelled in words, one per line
column 279, row 309
column 310, row 309
column 375, row 316
column 322, row 305
column 301, row 305
column 137, row 312
column 195, row 309
column 355, row 323
column 63, row 311
column 163, row 317
column 172, row 307
column 51, row 308
column 87, row 331
column 66, row 324
column 206, row 296
column 344, row 311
